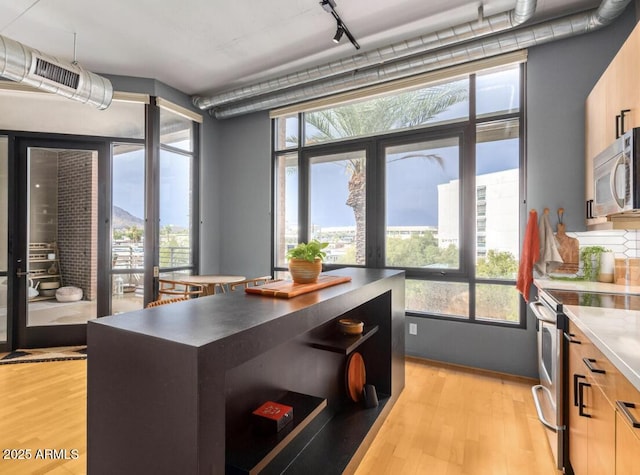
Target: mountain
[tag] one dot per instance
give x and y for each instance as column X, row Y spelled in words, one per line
column 122, row 219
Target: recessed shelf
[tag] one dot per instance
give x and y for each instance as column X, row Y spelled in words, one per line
column 344, row 344
column 250, row 452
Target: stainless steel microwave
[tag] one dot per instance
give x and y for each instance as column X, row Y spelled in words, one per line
column 616, row 176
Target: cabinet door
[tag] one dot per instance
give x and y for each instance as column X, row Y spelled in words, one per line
column 627, row 67
column 627, row 448
column 578, row 425
column 602, row 433
column 596, row 139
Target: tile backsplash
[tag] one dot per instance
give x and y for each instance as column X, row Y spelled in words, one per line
column 623, row 243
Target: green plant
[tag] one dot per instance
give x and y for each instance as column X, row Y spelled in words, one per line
column 590, row 257
column 308, row 251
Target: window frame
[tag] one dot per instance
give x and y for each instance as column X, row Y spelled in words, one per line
column 376, row 196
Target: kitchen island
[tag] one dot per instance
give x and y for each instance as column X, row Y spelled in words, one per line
column 171, row 389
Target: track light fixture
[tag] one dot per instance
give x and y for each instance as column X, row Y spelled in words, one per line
column 338, row 35
column 329, row 6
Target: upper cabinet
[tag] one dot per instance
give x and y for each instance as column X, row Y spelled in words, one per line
column 612, row 107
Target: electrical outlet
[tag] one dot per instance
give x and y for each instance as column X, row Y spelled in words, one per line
column 413, row 329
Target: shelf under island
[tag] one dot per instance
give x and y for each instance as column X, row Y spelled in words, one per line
column 171, row 389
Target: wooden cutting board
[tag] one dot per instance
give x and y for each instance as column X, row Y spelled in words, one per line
column 355, row 376
column 287, row 289
column 569, row 249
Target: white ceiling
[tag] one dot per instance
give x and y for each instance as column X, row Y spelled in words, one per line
column 205, row 46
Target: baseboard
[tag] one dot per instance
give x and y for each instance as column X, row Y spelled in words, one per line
column 470, row 369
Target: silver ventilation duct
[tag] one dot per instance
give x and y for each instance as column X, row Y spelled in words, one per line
column 523, row 10
column 29, row 66
column 519, row 39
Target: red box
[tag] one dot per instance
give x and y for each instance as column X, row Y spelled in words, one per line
column 272, row 416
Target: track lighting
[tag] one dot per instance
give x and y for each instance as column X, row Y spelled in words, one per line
column 329, row 6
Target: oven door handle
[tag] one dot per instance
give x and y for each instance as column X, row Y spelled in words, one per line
column 539, row 315
column 621, row 161
column 535, row 390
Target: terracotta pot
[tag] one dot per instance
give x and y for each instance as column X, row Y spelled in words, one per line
column 305, row 272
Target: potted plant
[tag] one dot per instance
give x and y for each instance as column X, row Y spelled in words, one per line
column 305, row 261
column 590, row 257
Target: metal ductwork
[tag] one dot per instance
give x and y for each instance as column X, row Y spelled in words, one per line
column 456, row 54
column 523, row 10
column 29, row 66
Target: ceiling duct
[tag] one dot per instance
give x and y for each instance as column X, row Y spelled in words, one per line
column 518, row 39
column 28, row 66
column 523, row 11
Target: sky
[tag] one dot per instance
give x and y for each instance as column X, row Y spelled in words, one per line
column 175, row 179
column 411, row 185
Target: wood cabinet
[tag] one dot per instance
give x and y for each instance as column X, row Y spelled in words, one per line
column 615, row 91
column 627, row 447
column 171, row 389
column 604, row 410
column 591, row 414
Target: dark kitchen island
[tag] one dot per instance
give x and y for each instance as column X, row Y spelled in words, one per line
column 171, row 389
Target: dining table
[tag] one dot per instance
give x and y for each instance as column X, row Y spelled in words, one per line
column 212, row 282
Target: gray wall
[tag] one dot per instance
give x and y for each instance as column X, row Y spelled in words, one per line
column 245, row 195
column 559, row 78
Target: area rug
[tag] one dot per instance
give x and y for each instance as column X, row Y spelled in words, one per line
column 39, row 355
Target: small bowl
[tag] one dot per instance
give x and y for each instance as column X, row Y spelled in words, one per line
column 350, row 326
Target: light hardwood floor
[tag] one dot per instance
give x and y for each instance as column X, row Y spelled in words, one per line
column 447, row 421
column 455, row 421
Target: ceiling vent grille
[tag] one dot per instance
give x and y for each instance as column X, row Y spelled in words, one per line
column 57, row 74
column 26, row 65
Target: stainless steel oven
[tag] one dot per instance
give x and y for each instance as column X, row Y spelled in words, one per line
column 547, row 395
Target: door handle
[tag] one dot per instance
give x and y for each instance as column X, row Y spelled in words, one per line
column 21, row 273
column 618, row 117
column 622, row 113
column 624, row 408
column 589, row 363
column 581, row 399
column 576, row 400
column 569, row 338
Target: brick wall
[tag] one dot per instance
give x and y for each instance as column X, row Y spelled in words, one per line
column 78, row 220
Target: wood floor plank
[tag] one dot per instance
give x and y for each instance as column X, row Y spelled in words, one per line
column 459, row 422
column 44, row 407
column 446, row 422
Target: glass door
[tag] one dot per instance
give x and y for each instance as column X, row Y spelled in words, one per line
column 59, row 225
column 127, row 227
column 4, row 233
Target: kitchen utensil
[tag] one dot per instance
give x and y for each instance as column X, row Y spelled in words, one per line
column 356, row 376
column 568, row 247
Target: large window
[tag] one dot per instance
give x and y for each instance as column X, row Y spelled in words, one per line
column 176, row 193
column 426, row 180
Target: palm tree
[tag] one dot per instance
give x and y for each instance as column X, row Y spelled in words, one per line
column 382, row 114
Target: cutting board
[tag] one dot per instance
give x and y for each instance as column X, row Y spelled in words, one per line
column 569, row 249
column 355, row 376
column 287, row 289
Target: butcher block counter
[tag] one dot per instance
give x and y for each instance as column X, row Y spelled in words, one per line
column 171, row 389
